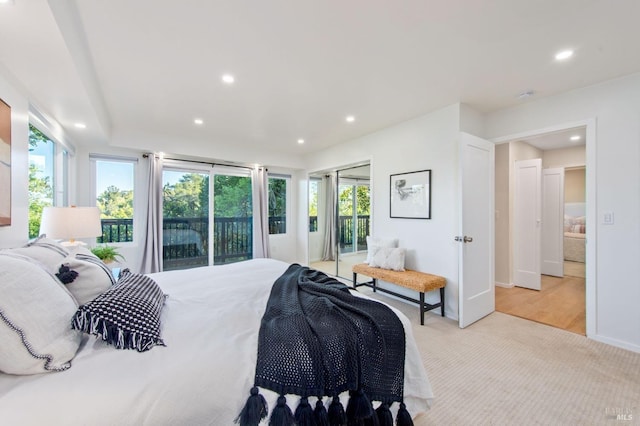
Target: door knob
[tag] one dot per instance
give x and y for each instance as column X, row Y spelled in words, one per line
column 457, row 238
column 467, row 239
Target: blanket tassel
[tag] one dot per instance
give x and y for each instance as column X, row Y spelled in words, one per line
column 336, row 414
column 254, row 410
column 403, row 418
column 304, row 413
column 385, row 418
column 281, row 414
column 359, row 407
column 320, row 413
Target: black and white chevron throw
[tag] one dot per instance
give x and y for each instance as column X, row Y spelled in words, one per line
column 127, row 315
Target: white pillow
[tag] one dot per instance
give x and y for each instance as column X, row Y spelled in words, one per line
column 35, row 319
column 388, row 258
column 373, row 242
column 93, row 279
column 46, row 251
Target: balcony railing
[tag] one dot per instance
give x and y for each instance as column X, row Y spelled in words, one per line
column 185, row 241
column 116, row 231
column 345, row 232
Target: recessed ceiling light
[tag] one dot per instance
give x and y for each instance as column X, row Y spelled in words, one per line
column 3, row 2
column 575, row 138
column 80, row 126
column 350, row 119
column 198, row 121
column 228, row 78
column 564, row 54
column 300, row 141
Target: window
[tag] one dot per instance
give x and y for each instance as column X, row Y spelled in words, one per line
column 114, row 189
column 232, row 216
column 354, row 205
column 48, row 163
column 207, row 216
column 278, row 205
column 313, row 204
column 185, row 219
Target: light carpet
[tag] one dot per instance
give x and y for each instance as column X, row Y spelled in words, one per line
column 504, row 370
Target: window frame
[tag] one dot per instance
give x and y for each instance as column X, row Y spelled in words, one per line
column 93, row 159
column 287, row 179
column 61, row 154
column 318, row 183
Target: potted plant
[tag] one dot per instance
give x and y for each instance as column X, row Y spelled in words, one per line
column 107, row 253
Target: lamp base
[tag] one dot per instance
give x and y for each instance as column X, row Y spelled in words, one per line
column 75, row 243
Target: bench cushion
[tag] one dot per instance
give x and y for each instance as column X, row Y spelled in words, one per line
column 419, row 281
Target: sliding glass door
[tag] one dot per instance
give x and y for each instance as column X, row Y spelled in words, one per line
column 185, row 223
column 232, row 218
column 192, row 236
column 339, row 219
column 353, row 220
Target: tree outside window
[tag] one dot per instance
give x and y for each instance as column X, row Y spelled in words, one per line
column 41, row 156
column 277, row 205
column 114, row 186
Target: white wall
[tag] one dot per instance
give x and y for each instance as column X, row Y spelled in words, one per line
column 427, row 142
column 574, row 186
column 615, row 105
column 503, row 248
column 564, row 157
column 18, row 232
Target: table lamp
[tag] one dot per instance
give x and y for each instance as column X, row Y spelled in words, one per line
column 71, row 223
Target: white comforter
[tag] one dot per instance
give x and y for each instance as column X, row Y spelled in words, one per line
column 202, row 377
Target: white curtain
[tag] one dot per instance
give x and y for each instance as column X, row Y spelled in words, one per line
column 260, row 193
column 329, row 245
column 152, row 247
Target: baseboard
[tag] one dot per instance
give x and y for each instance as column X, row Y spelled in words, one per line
column 617, row 343
column 498, row 284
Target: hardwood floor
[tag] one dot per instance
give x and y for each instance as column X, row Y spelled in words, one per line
column 560, row 303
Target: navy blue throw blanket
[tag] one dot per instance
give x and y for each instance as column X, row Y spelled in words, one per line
column 318, row 340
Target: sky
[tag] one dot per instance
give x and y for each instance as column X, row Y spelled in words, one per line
column 118, row 174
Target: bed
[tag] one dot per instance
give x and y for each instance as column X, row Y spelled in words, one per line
column 574, row 246
column 209, row 324
column 574, row 232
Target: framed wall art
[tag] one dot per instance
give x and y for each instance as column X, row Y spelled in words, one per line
column 5, row 164
column 410, row 195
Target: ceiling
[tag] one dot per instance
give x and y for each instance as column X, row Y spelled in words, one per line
column 138, row 73
column 557, row 140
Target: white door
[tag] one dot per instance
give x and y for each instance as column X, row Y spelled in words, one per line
column 526, row 211
column 476, row 237
column 552, row 222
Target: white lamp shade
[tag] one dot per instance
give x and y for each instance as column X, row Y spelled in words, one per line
column 71, row 222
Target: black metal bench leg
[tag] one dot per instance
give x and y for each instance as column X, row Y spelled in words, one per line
column 355, row 277
column 421, row 308
column 374, row 281
column 442, row 300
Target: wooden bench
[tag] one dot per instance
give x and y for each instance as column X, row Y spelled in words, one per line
column 414, row 280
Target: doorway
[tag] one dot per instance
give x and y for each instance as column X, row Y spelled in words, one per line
column 561, row 298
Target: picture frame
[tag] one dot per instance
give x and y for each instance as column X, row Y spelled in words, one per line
column 5, row 164
column 410, row 195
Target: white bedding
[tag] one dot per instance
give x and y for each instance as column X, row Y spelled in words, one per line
column 202, row 377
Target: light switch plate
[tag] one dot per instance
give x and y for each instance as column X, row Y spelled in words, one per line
column 608, row 218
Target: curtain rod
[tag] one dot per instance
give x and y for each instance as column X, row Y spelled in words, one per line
column 202, row 162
